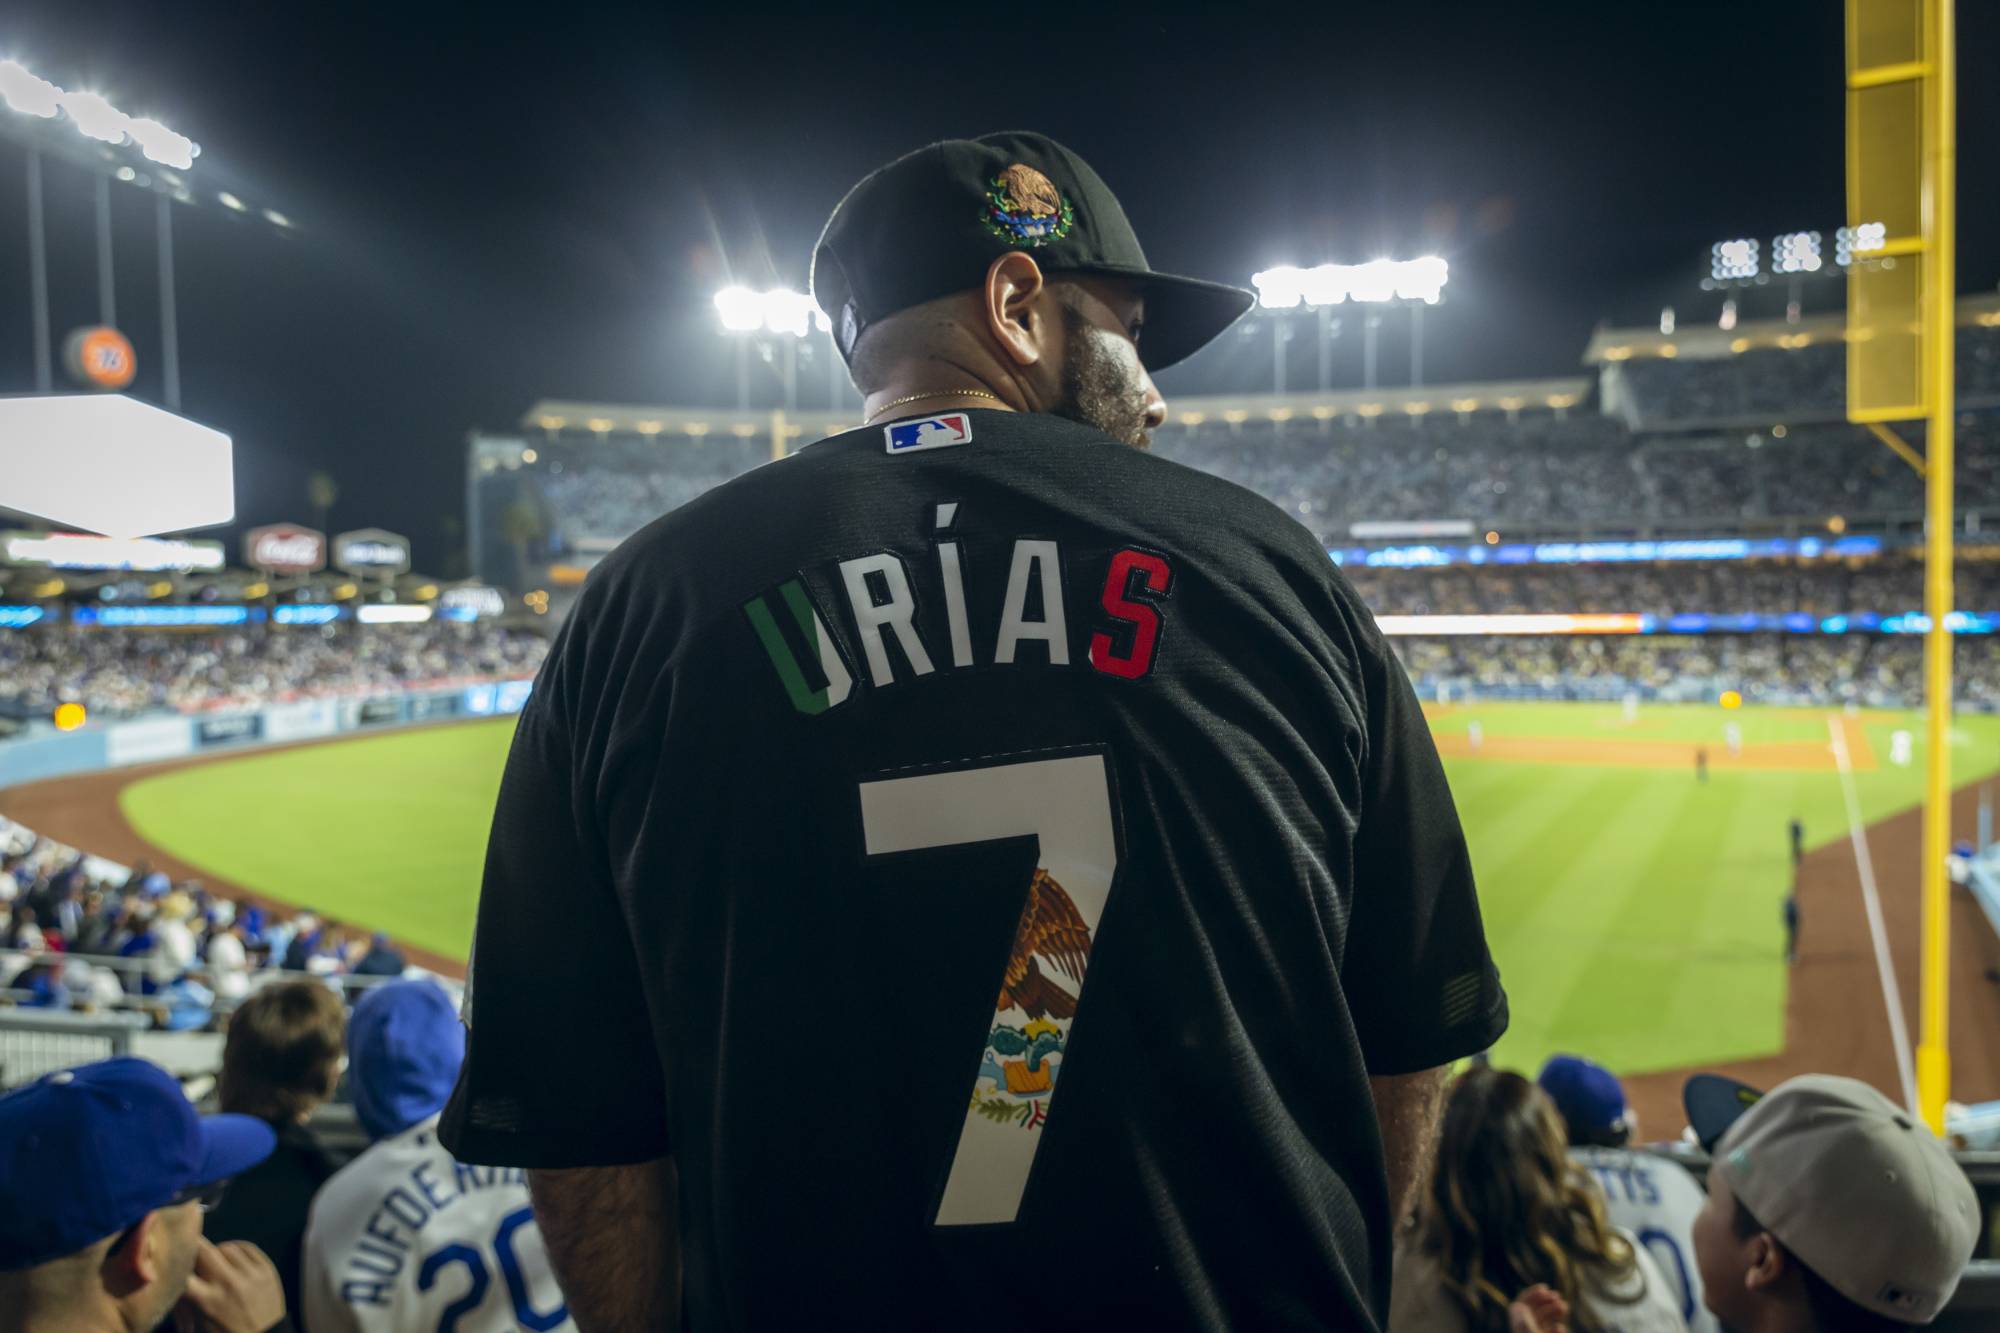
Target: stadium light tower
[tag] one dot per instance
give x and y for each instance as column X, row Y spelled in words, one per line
column 1414, row 283
column 777, row 321
column 40, row 112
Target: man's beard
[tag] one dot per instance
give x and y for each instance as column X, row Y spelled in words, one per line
column 1098, row 387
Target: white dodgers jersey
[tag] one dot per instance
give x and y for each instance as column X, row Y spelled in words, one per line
column 404, row 1239
column 1657, row 1201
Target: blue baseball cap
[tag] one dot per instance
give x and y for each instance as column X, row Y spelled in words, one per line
column 404, row 1047
column 1591, row 1099
column 86, row 1152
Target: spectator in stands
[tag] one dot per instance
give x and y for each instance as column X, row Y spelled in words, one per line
column 281, row 1060
column 1829, row 1208
column 173, row 938
column 1645, row 1194
column 304, row 942
column 405, row 1195
column 381, row 960
column 1507, row 1210
column 24, row 934
column 228, row 962
column 104, row 1173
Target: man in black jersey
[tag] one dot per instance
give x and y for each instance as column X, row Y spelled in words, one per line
column 998, row 875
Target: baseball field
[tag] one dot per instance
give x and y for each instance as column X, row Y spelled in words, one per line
column 1634, row 908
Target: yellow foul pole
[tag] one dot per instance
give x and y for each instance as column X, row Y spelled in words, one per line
column 1940, row 203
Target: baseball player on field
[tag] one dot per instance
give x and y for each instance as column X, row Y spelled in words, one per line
column 995, row 874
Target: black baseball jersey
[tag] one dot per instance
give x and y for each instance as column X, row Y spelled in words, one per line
column 990, row 860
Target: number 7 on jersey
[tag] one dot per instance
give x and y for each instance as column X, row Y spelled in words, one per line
column 1066, row 804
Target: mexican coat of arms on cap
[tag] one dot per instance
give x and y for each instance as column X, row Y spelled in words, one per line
column 1025, row 207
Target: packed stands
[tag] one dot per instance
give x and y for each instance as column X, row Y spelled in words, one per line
column 1886, row 586
column 1741, row 384
column 1657, row 444
column 1806, row 670
column 124, row 672
column 1545, row 473
column 81, row 934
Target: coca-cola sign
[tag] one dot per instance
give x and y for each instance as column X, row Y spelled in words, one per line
column 284, row 548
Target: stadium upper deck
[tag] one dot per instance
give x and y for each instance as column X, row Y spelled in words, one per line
column 1709, row 433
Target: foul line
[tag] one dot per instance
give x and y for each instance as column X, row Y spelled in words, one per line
column 1892, row 995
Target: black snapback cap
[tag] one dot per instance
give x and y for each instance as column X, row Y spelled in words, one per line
column 931, row 222
column 1713, row 1103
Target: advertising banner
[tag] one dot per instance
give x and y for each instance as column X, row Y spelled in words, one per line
column 231, row 729
column 144, row 742
column 376, row 712
column 301, row 721
column 429, row 707
column 285, row 548
column 371, row 551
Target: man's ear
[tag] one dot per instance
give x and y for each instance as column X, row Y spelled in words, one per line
column 1017, row 307
column 1769, row 1264
column 136, row 1262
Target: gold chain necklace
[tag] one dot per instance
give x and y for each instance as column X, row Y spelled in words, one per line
column 935, row 393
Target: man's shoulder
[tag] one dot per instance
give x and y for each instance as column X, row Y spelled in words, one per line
column 1044, row 443
column 376, row 1169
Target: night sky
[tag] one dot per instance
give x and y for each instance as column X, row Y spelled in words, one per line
column 499, row 204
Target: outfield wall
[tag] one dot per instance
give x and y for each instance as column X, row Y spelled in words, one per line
column 47, row 753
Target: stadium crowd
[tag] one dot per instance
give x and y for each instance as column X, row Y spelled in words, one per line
column 1885, row 586
column 1769, row 384
column 1538, row 1212
column 1576, row 472
column 122, row 672
column 1876, row 671
column 80, row 934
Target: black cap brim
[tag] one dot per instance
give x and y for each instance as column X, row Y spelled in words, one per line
column 1713, row 1104
column 1183, row 315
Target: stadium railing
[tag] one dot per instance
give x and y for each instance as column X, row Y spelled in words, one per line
column 38, row 1042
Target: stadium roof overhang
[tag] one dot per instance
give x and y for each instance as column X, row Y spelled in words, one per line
column 554, row 416
column 1609, row 346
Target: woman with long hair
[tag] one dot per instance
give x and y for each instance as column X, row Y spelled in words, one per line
column 1507, row 1211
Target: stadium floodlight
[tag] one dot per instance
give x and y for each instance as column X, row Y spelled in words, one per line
column 160, row 144
column 1851, row 241
column 1282, row 288
column 1796, row 252
column 1373, row 281
column 780, row 311
column 742, row 310
column 24, row 92
column 94, row 116
column 1422, row 279
column 1733, row 261
column 789, row 312
column 1379, row 280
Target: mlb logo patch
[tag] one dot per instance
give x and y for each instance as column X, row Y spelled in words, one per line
column 909, row 437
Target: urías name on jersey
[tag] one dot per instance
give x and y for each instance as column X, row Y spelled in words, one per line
column 879, row 601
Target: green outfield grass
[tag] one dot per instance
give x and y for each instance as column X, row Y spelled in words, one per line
column 387, row 832
column 1634, row 913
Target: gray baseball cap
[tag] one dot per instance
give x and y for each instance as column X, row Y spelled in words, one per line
column 1855, row 1186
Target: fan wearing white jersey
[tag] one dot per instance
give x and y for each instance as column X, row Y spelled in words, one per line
column 404, row 1237
column 1648, row 1195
